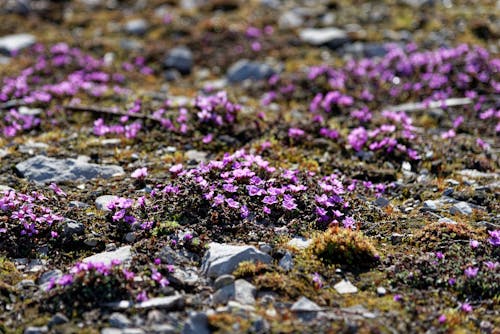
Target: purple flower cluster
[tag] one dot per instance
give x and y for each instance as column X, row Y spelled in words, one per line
column 26, row 214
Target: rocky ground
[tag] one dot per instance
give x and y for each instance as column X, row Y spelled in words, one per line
column 255, row 166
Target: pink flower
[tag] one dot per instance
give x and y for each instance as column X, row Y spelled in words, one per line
column 142, row 297
column 140, row 173
column 56, row 189
column 442, row 319
column 466, row 307
column 471, row 272
column 295, row 133
column 176, row 169
column 318, row 282
column 474, row 243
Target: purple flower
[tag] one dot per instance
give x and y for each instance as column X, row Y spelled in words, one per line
column 289, row 202
column 142, row 296
column 442, row 319
column 494, row 238
column 397, row 298
column 175, row 169
column 129, row 276
column 491, row 265
column 295, row 133
column 349, row 222
column 471, row 272
column 318, row 282
column 57, row 190
column 140, row 173
column 474, row 243
column 65, row 280
column 357, row 138
column 232, row 203
column 439, row 255
column 452, row 281
column 269, row 200
column 230, row 188
column 466, row 307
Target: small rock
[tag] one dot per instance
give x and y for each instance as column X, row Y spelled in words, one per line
column 36, row 330
column 133, row 331
column 45, row 278
column 71, row 227
column 111, row 330
column 331, row 37
column 382, row 202
column 223, row 259
column 197, row 323
column 299, row 243
column 181, row 59
column 260, row 326
column 136, row 27
column 290, row 20
column 123, row 254
column 195, row 156
column 266, row 248
column 78, row 205
column 433, row 205
column 462, row 208
column 130, row 45
column 12, row 43
column 162, row 329
column 32, row 147
column 345, row 287
column 119, row 320
column 25, row 284
column 130, row 237
column 43, row 169
column 286, row 261
column 305, row 305
column 241, row 291
column 445, row 220
column 381, row 291
column 223, row 280
column 245, row 69
column 167, row 303
column 101, row 202
column 58, row 319
column 184, row 277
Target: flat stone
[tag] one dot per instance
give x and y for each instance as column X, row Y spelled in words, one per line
column 111, row 330
column 433, row 205
column 305, row 305
column 133, row 331
column 36, row 330
column 43, row 169
column 167, row 303
column 331, row 37
column 123, row 254
column 299, row 243
column 196, row 156
column 462, row 208
column 223, row 259
column 345, row 287
column 119, row 320
column 184, row 277
column 197, row 323
column 181, row 59
column 17, row 42
column 245, row 69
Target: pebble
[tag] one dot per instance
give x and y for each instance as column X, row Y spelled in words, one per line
column 381, row 291
column 119, row 320
column 17, row 42
column 462, row 208
column 331, row 37
column 245, row 69
column 58, row 319
column 299, row 243
column 71, row 228
column 197, row 323
column 223, row 259
column 345, row 287
column 381, row 202
column 123, row 254
column 136, row 27
column 167, row 303
column 36, row 330
column 286, row 261
column 181, row 59
column 162, row 329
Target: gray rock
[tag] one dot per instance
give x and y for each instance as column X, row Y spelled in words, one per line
column 136, row 27
column 119, row 320
column 345, row 287
column 381, row 202
column 181, row 59
column 266, row 248
column 45, row 278
column 111, row 330
column 184, row 277
column 223, row 259
column 381, row 291
column 71, row 227
column 25, row 284
column 240, row 291
column 32, row 147
column 365, row 50
column 260, row 326
column 194, row 156
column 130, row 45
column 197, row 323
column 162, row 329
column 36, row 330
column 167, row 303
column 286, row 261
column 446, row 220
column 331, row 37
column 433, row 205
column 58, row 319
column 101, row 202
column 305, row 305
column 299, row 243
column 123, row 254
column 290, row 20
column 133, row 331
column 223, row 280
column 45, row 170
column 462, row 208
column 245, row 69
column 17, row 42
column 78, row 205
